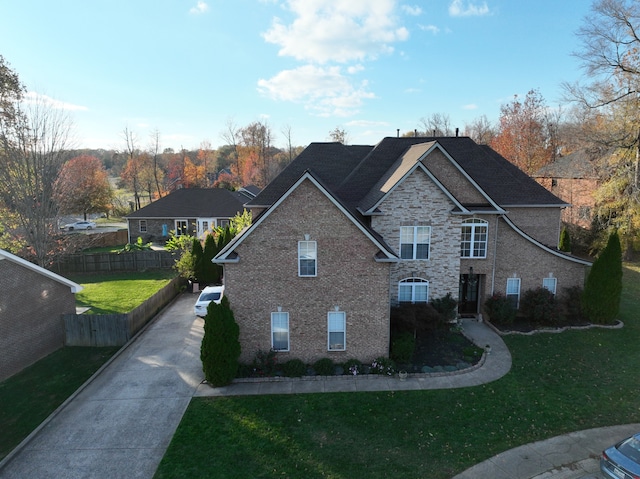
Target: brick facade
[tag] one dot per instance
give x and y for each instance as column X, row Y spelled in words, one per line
column 266, row 277
column 31, row 308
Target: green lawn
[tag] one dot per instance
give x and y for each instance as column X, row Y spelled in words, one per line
column 559, row 383
column 31, row 395
column 119, row 293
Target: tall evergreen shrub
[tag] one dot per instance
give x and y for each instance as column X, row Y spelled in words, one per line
column 197, row 253
column 601, row 295
column 209, row 270
column 220, row 347
column 565, row 241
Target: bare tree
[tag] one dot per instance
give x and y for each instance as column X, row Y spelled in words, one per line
column 480, row 130
column 340, row 135
column 154, row 148
column 231, row 136
column 33, row 140
column 131, row 173
column 438, row 124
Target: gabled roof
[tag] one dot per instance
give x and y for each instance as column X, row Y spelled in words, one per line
column 229, row 255
column 5, row 255
column 353, row 173
column 579, row 164
column 194, row 203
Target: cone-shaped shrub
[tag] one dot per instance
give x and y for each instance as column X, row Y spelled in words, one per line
column 197, row 253
column 565, row 241
column 601, row 295
column 209, row 270
column 220, row 348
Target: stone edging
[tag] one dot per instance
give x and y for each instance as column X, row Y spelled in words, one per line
column 345, row 377
column 618, row 325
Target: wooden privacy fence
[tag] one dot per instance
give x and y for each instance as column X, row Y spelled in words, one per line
column 112, row 262
column 117, row 329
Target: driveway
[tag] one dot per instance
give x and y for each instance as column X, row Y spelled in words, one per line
column 120, row 424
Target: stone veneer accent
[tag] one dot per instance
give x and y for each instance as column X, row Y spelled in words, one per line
column 266, row 277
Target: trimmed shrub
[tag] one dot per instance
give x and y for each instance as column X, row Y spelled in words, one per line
column 352, row 367
column 416, row 318
column 197, row 253
column 403, row 346
column 570, row 303
column 384, row 366
column 601, row 295
column 540, row 306
column 565, row 241
column 294, row 368
column 210, row 274
column 500, row 309
column 265, row 363
column 324, row 367
column 446, row 306
column 220, row 347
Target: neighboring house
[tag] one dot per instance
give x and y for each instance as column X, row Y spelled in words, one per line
column 32, row 302
column 345, row 232
column 574, row 179
column 191, row 211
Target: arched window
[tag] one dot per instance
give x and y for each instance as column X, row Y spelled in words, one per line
column 413, row 290
column 473, row 243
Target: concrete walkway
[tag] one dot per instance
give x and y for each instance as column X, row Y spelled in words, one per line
column 120, row 423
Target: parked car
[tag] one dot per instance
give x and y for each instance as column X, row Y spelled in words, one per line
column 80, row 225
column 622, row 461
column 208, row 294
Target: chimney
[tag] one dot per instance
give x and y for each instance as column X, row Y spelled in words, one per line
column 457, row 129
column 415, row 133
column 397, row 132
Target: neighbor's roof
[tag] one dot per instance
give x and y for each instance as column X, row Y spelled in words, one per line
column 5, row 255
column 580, row 164
column 194, row 203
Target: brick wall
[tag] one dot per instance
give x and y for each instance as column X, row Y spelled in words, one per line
column 542, row 224
column 578, row 192
column 31, row 308
column 266, row 277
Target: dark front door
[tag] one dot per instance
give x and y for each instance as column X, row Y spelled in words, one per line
column 468, row 294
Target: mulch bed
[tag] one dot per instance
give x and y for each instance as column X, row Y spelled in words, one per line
column 447, row 349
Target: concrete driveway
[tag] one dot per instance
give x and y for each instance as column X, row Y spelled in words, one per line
column 120, row 424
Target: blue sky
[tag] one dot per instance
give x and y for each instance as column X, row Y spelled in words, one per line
column 188, row 68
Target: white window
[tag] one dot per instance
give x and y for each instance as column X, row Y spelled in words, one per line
column 337, row 324
column 307, row 257
column 414, row 242
column 473, row 243
column 143, row 226
column 280, row 331
column 182, row 227
column 413, row 290
column 223, row 223
column 513, row 291
column 550, row 284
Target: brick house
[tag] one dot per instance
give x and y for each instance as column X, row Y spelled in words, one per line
column 32, row 302
column 192, row 211
column 345, row 232
column 574, row 179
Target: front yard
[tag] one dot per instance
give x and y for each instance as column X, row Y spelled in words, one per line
column 558, row 383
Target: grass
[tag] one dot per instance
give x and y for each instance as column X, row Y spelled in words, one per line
column 119, row 293
column 104, row 249
column 30, row 396
column 558, row 383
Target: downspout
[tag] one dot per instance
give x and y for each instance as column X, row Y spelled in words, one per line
column 495, row 255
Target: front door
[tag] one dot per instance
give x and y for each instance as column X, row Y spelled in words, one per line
column 468, row 294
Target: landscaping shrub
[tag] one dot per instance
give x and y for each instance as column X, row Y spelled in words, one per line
column 601, row 295
column 570, row 303
column 352, row 367
column 416, row 319
column 324, row 367
column 265, row 363
column 403, row 346
column 446, row 306
column 565, row 241
column 539, row 305
column 500, row 309
column 384, row 366
column 294, row 368
column 210, row 274
column 220, row 347
column 197, row 253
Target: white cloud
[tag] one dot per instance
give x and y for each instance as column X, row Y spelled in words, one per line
column 470, row 106
column 458, row 8
column 413, row 10
column 367, row 123
column 37, row 98
column 201, row 7
column 323, row 90
column 325, row 31
column 430, row 28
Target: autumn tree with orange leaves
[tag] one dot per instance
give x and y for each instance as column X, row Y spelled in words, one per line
column 83, row 187
column 522, row 136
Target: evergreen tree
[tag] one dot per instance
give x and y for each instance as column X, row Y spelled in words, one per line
column 220, row 348
column 601, row 296
column 197, row 253
column 565, row 241
column 209, row 270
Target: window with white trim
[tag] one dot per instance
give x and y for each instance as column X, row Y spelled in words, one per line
column 550, row 283
column 280, row 331
column 413, row 290
column 513, row 291
column 414, row 242
column 307, row 258
column 182, row 227
column 473, row 243
column 142, row 226
column 337, row 330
